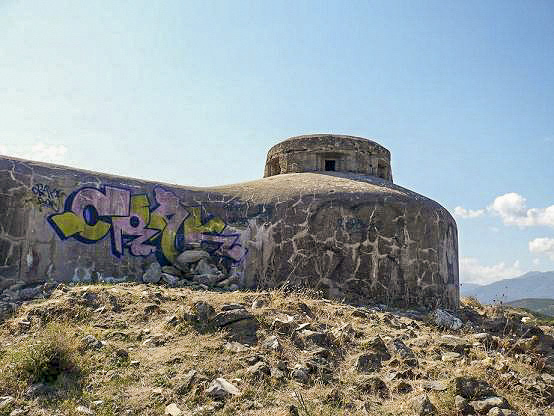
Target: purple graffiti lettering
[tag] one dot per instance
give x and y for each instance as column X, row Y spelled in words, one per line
column 170, row 207
column 113, row 202
column 142, row 227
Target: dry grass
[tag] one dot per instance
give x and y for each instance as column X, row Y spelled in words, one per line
column 166, row 352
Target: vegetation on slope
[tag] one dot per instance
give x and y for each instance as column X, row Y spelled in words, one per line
column 152, row 350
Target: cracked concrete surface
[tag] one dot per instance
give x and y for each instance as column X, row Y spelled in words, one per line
column 354, row 237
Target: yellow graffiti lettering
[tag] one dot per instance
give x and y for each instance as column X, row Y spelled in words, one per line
column 140, row 205
column 70, row 224
column 193, row 223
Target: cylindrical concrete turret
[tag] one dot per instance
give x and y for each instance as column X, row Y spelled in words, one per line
column 329, row 152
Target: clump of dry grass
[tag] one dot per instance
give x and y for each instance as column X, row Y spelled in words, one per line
column 44, row 358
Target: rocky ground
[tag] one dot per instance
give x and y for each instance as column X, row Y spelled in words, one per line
column 145, row 349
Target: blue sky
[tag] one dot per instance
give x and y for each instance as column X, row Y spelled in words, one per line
column 195, row 93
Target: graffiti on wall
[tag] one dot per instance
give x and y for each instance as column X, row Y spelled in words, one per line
column 44, row 197
column 141, row 227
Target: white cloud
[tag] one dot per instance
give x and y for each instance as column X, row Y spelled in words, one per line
column 536, row 262
column 39, row 151
column 468, row 213
column 471, row 271
column 542, row 246
column 512, row 208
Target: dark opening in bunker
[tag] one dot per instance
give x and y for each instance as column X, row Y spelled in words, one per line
column 329, row 165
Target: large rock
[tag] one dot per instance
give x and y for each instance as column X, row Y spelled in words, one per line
column 221, row 389
column 403, row 352
column 483, row 406
column 443, row 319
column 190, row 256
column 368, row 362
column 227, row 317
column 472, row 388
column 153, row 274
column 422, row 406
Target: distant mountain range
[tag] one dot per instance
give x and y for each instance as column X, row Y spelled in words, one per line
column 531, row 285
column 542, row 306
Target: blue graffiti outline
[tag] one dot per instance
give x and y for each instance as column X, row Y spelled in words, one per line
column 155, row 240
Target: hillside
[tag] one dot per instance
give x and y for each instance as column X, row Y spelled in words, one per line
column 135, row 349
column 529, row 285
column 542, row 306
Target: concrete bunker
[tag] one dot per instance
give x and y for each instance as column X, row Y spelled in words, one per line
column 326, row 215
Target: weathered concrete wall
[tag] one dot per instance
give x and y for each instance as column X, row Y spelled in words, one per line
column 311, row 152
column 355, row 237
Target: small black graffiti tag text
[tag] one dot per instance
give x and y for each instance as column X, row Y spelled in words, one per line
column 46, row 197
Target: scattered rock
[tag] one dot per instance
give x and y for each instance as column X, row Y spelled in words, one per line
column 483, row 337
column 231, row 306
column 422, row 406
column 443, row 319
column 454, row 343
column 435, row 385
column 320, row 367
column 368, row 362
column 472, row 388
column 30, row 293
column 172, row 320
column 84, row 410
column 258, row 304
column 243, row 331
column 293, row 410
column 203, row 312
column 403, row 387
column 122, row 354
column 173, row 410
column 38, row 389
column 374, row 385
column 170, row 279
column 186, row 382
column 450, row 356
column 305, row 309
column 153, row 274
column 483, row 406
column 259, row 370
column 90, row 341
column 206, row 410
column 283, row 326
column 377, row 345
column 306, row 338
column 496, row 411
column 221, row 389
column 301, row 373
column 461, row 405
column 272, row 343
column 361, row 313
column 278, row 374
column 5, row 402
column 229, row 316
column 190, row 256
column 397, row 348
